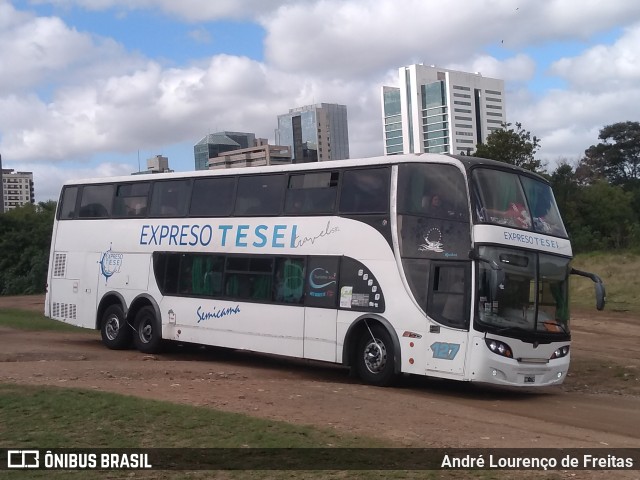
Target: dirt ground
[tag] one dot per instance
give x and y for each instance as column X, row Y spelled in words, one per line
column 597, row 407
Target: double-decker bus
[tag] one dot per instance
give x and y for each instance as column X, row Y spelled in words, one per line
column 437, row 265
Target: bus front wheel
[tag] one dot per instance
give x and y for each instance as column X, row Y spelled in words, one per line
column 375, row 361
column 116, row 333
column 148, row 336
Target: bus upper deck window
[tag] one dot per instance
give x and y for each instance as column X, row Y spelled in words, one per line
column 68, row 204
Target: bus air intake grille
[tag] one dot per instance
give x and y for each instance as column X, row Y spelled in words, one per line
column 60, row 265
column 64, row 310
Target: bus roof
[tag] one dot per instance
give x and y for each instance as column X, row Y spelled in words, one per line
column 465, row 161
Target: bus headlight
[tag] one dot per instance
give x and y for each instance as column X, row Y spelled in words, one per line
column 560, row 352
column 499, row 348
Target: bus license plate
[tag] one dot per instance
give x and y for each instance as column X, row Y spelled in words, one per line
column 530, row 379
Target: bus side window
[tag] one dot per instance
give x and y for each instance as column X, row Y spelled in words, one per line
column 170, row 198
column 96, row 201
column 311, row 193
column 172, row 269
column 259, row 195
column 68, row 203
column 212, row 197
column 131, row 200
column 448, row 295
column 365, row 191
column 289, row 280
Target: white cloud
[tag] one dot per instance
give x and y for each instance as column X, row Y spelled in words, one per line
column 568, row 122
column 154, row 106
column 357, row 37
column 519, row 68
column 604, row 67
column 35, row 51
column 190, row 10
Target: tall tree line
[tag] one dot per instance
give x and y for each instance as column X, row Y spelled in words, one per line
column 25, row 239
column 598, row 196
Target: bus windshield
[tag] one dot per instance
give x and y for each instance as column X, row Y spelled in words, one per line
column 513, row 200
column 531, row 296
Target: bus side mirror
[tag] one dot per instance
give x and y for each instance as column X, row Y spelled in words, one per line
column 601, row 294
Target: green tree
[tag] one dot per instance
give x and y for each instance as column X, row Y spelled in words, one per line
column 616, row 158
column 516, row 147
column 602, row 217
column 25, row 239
column 565, row 189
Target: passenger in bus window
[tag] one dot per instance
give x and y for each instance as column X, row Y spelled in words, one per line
column 436, row 205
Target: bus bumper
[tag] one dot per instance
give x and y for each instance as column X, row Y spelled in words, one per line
column 488, row 367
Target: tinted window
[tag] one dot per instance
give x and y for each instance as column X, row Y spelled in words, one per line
column 171, row 274
column 448, row 300
column 432, row 190
column 68, row 206
column 546, row 217
column 289, row 280
column 312, row 193
column 96, row 201
column 500, row 198
column 170, row 198
column 365, row 191
column 131, row 200
column 260, row 195
column 212, row 197
column 249, row 277
column 201, row 275
column 417, row 273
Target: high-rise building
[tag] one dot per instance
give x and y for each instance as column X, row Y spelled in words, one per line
column 257, row 156
column 17, row 189
column 156, row 164
column 1, row 188
column 315, row 133
column 440, row 111
column 216, row 143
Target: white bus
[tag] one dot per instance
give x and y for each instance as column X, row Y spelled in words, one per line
column 451, row 267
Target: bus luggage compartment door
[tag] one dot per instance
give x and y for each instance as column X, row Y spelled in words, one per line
column 320, row 333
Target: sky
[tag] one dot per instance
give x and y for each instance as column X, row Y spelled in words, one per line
column 92, row 88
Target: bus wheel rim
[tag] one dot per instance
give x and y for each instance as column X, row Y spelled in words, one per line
column 146, row 332
column 375, row 356
column 112, row 327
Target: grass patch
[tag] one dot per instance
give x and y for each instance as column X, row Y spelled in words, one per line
column 51, row 417
column 26, row 320
column 68, row 418
column 591, row 375
column 619, row 272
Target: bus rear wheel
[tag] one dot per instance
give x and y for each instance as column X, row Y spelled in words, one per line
column 148, row 335
column 375, row 362
column 116, row 333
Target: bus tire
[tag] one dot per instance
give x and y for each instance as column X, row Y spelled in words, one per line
column 148, row 335
column 116, row 333
column 375, row 361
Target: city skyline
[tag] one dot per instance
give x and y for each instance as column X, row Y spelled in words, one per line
column 89, row 86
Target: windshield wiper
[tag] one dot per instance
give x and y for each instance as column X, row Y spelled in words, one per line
column 514, row 329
